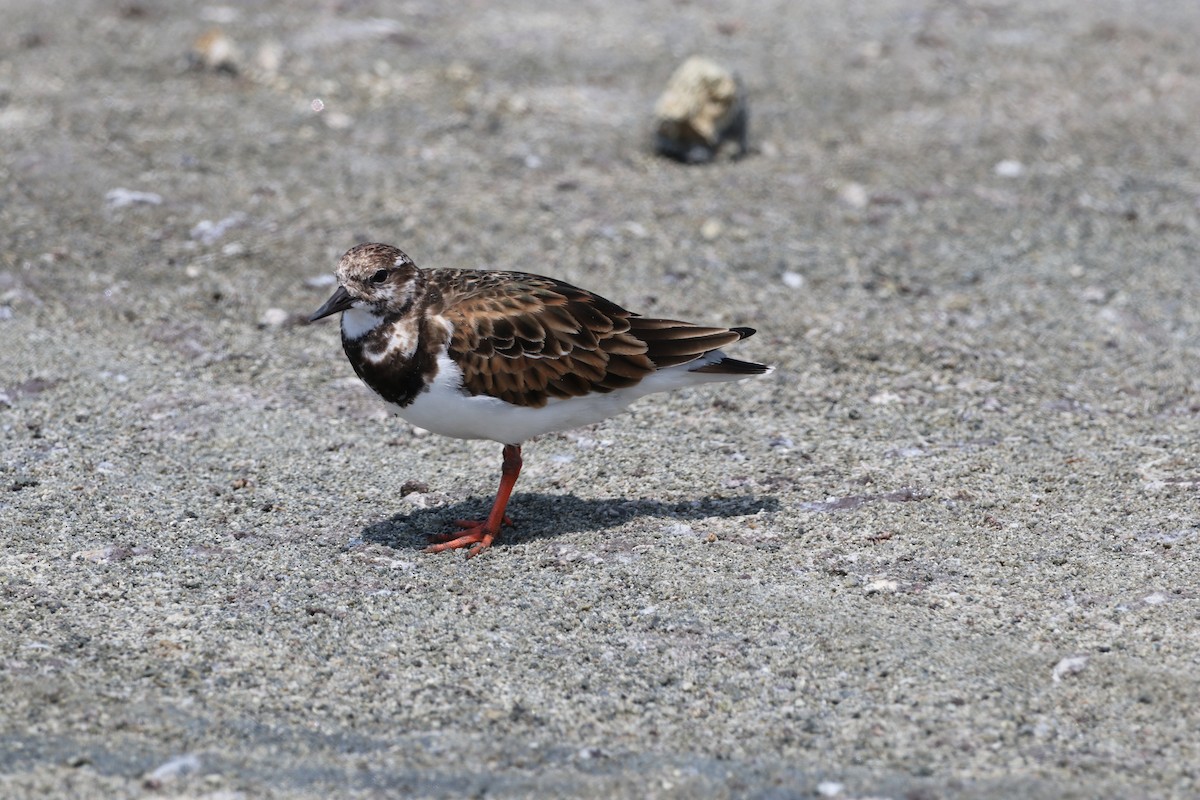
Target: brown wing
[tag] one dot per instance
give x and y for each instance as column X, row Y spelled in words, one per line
column 525, row 338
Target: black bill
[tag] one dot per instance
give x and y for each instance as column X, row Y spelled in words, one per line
column 339, row 301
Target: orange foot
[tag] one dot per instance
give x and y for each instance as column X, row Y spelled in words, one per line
column 476, row 533
column 480, row 535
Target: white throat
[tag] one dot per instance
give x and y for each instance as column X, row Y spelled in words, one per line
column 357, row 323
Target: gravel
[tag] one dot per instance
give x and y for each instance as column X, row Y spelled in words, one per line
column 948, row 548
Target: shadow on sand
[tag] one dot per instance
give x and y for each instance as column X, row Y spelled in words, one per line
column 544, row 515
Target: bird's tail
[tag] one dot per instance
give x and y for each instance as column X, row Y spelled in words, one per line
column 731, row 366
column 716, row 362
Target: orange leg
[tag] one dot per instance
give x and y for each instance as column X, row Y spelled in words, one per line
column 480, row 535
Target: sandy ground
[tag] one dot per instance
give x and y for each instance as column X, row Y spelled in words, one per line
column 948, row 548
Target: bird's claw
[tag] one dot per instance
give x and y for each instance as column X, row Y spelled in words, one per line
column 477, row 537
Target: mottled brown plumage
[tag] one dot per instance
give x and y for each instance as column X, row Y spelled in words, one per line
column 509, row 355
column 519, row 337
column 525, row 338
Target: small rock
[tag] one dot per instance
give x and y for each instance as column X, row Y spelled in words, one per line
column 120, row 197
column 711, row 229
column 792, row 280
column 1009, row 168
column 322, row 281
column 957, row 302
column 854, row 195
column 112, row 554
column 1068, row 666
column 170, row 770
column 273, row 318
column 208, row 232
column 830, row 788
column 422, row 500
column 35, row 386
column 216, row 52
column 636, row 229
column 703, row 106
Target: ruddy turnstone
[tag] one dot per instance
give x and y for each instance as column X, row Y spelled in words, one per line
column 508, row 355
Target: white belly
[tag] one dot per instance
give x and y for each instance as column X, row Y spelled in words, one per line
column 445, row 409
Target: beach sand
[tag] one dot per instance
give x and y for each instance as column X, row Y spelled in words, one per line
column 948, row 548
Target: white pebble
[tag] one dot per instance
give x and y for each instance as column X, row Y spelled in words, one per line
column 792, row 280
column 273, row 318
column 322, row 281
column 1068, row 666
column 119, row 198
column 1009, row 168
column 415, row 500
column 830, row 788
column 636, row 229
column 854, row 195
column 208, row 232
column 174, row 768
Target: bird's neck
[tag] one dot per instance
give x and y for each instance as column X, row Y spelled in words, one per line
column 397, row 355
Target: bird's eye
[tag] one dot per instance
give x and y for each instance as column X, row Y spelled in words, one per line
column 380, row 276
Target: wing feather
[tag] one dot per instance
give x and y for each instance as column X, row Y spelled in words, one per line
column 526, row 338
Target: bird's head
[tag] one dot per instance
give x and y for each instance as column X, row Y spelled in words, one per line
column 376, row 279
